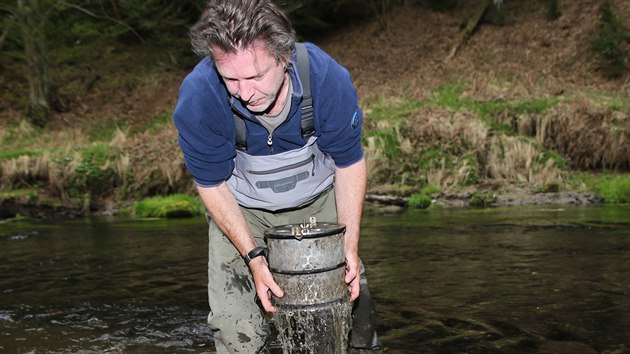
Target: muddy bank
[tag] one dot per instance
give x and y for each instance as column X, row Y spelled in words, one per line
column 507, row 199
column 12, row 207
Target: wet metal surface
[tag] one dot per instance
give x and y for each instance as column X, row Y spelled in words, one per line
column 535, row 280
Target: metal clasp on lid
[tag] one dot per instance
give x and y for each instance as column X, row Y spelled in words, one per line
column 304, row 229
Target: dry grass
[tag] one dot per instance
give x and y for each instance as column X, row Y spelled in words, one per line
column 138, row 165
column 515, row 159
column 24, row 170
column 591, row 136
column 451, row 149
column 157, row 162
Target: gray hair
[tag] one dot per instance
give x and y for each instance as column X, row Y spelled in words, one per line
column 230, row 25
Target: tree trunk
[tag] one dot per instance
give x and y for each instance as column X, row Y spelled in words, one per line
column 116, row 9
column 553, row 10
column 36, row 61
column 470, row 27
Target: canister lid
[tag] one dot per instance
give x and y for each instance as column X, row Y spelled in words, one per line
column 299, row 231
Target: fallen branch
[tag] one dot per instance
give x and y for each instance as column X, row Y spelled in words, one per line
column 472, row 25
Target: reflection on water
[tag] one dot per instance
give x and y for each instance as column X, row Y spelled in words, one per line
column 529, row 280
column 104, row 285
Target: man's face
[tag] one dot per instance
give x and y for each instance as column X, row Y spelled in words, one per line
column 253, row 76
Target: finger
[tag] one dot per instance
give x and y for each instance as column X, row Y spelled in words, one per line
column 265, row 301
column 350, row 274
column 275, row 289
column 354, row 289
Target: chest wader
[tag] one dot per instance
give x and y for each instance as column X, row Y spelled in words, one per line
column 283, row 181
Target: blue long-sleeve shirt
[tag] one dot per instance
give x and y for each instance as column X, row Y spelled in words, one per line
column 205, row 120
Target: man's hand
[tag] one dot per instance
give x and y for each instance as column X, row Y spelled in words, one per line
column 264, row 283
column 352, row 274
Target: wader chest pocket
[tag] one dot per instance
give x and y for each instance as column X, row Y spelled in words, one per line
column 288, row 179
column 284, row 184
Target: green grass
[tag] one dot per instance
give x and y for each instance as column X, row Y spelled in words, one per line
column 104, row 130
column 11, row 154
column 173, row 206
column 392, row 109
column 18, row 193
column 430, row 189
column 19, row 135
column 158, row 121
column 616, row 101
column 452, row 96
column 613, row 188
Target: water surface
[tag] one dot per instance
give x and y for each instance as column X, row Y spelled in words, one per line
column 537, row 280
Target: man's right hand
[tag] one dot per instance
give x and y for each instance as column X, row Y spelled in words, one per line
column 264, row 283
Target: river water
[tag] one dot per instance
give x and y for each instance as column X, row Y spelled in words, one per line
column 519, row 280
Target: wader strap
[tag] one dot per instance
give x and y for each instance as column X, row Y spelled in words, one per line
column 241, row 133
column 307, row 125
column 304, row 72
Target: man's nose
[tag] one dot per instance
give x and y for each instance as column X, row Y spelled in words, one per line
column 245, row 90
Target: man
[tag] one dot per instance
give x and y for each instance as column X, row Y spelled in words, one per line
column 249, row 78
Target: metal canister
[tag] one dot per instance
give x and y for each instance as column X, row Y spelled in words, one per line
column 308, row 263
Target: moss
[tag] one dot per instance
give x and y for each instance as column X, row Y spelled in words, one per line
column 173, row 206
column 419, row 201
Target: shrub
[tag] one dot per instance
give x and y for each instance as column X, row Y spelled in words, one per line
column 93, row 175
column 482, row 200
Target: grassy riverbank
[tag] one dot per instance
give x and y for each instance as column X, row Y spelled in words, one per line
column 532, row 120
column 447, row 147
